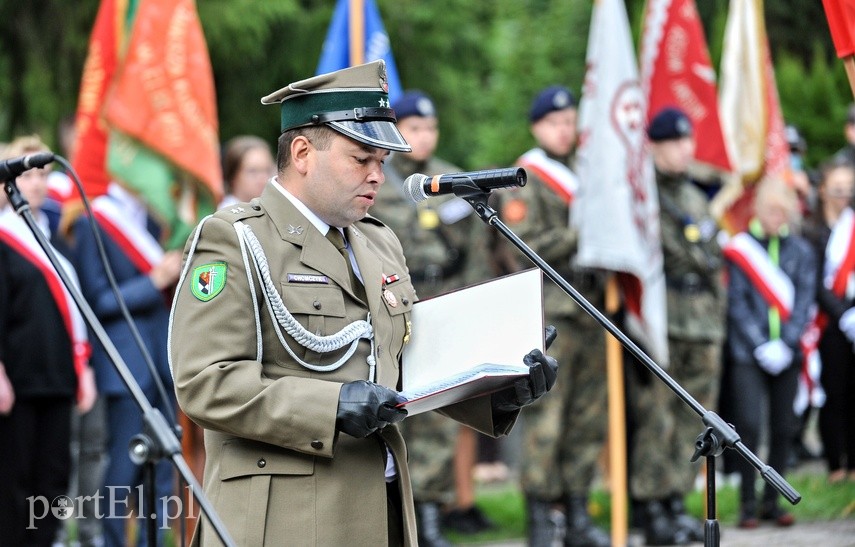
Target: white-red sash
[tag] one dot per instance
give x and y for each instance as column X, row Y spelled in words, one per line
column 767, row 277
column 555, row 174
column 810, row 392
column 136, row 242
column 840, row 254
column 15, row 233
column 837, row 270
column 60, row 186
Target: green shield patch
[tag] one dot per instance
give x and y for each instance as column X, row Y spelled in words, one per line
column 208, row 280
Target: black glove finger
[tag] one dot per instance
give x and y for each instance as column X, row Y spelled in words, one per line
column 550, row 333
column 537, row 379
column 532, row 357
column 390, row 414
column 550, row 371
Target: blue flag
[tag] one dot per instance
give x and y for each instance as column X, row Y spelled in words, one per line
column 335, row 54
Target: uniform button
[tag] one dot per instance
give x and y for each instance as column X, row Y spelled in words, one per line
column 262, row 462
column 256, row 207
column 317, row 304
column 406, row 301
column 317, row 445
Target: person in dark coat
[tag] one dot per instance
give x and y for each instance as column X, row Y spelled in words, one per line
column 770, row 293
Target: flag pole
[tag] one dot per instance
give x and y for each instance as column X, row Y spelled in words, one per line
column 617, row 423
column 356, row 23
column 849, row 65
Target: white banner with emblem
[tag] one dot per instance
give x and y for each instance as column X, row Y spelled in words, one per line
column 617, row 211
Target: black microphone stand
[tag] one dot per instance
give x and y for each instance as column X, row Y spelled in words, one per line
column 157, row 440
column 718, row 434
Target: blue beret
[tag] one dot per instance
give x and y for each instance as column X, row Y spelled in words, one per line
column 552, row 98
column 413, row 103
column 669, row 123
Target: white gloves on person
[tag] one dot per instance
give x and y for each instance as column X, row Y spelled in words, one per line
column 773, row 356
column 847, row 324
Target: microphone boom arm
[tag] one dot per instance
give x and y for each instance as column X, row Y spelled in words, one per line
column 723, row 433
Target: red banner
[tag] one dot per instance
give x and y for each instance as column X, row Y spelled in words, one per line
column 676, row 71
column 91, row 145
column 841, row 22
column 164, row 95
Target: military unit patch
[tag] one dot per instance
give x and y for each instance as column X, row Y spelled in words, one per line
column 208, row 280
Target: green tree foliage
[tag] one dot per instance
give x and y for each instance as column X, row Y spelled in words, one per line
column 481, row 60
column 42, row 48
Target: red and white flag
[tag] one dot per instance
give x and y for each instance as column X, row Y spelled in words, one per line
column 616, row 179
column 676, row 71
column 750, row 112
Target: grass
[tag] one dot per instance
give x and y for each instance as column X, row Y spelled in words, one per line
column 505, row 506
column 820, row 501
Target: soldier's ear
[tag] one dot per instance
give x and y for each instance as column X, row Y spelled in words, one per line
column 301, row 150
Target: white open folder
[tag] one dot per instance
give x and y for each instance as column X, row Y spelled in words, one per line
column 472, row 341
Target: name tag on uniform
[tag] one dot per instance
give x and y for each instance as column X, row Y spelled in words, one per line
column 308, row 278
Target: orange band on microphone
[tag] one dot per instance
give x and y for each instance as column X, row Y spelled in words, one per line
column 434, row 184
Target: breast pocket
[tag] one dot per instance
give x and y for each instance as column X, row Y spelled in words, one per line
column 319, row 309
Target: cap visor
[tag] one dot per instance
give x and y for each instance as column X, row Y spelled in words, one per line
column 378, row 133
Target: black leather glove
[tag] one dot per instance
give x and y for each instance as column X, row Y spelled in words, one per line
column 364, row 407
column 542, row 372
column 549, row 335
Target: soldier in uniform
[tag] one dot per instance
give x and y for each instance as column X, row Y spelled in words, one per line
column 660, row 472
column 445, row 249
column 287, row 330
column 564, row 434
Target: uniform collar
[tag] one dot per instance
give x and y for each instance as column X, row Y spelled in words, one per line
column 322, row 226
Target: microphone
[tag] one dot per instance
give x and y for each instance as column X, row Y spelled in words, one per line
column 419, row 187
column 13, row 167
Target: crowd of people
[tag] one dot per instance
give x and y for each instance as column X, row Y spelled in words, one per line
column 753, row 318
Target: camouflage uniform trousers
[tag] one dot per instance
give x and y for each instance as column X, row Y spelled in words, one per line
column 666, row 427
column 564, row 431
column 431, row 442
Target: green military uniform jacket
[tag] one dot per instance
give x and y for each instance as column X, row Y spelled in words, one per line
column 541, row 218
column 692, row 261
column 276, row 469
column 446, row 249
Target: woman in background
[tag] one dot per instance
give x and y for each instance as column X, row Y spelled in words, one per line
column 834, row 242
column 44, row 366
column 247, row 166
column 771, row 288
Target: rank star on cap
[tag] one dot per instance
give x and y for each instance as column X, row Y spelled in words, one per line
column 384, row 103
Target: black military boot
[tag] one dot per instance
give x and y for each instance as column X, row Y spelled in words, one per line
column 428, row 526
column 545, row 525
column 581, row 531
column 693, row 527
column 659, row 529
